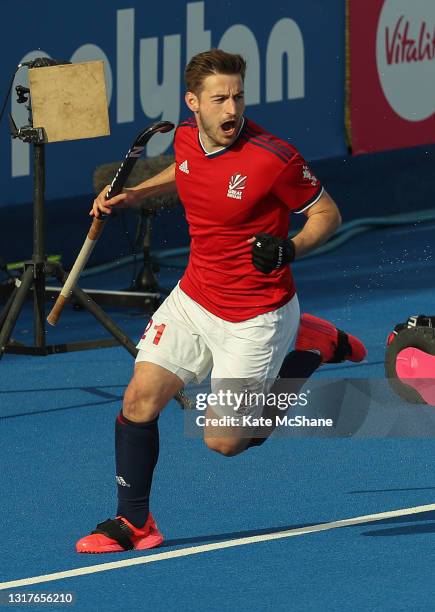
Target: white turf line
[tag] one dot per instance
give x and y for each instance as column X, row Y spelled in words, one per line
column 195, row 550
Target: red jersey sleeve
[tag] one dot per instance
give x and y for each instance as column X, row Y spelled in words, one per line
column 296, row 185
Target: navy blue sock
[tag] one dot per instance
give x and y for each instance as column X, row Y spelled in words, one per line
column 297, row 366
column 137, row 451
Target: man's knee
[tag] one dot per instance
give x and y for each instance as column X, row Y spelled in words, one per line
column 223, row 446
column 150, row 389
column 140, row 404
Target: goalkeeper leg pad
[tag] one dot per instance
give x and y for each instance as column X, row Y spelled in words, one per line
column 410, row 359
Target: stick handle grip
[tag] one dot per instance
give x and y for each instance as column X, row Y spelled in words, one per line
column 97, row 228
column 81, row 261
column 56, row 311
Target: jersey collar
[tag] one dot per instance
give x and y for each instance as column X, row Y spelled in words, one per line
column 223, row 149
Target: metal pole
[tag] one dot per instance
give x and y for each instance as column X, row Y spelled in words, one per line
column 39, row 244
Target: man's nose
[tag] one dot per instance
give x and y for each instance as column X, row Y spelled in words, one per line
column 230, row 107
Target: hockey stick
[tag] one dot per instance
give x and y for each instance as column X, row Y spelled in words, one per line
column 98, row 224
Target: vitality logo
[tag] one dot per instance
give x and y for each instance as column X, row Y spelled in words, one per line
column 405, row 57
column 236, row 186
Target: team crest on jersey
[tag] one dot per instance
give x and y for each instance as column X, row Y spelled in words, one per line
column 309, row 176
column 236, row 186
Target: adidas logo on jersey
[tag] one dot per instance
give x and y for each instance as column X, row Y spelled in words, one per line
column 236, row 186
column 184, row 167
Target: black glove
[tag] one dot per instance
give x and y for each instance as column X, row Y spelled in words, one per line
column 270, row 253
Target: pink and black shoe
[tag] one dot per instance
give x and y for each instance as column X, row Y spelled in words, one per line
column 333, row 344
column 119, row 535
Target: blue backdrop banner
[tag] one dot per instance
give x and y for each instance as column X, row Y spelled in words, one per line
column 294, row 84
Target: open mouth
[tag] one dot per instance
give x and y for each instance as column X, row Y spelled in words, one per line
column 229, row 127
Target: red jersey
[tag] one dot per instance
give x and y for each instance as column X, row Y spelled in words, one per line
column 229, row 196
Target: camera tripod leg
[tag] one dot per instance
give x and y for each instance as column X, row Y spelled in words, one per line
column 15, row 308
column 6, row 307
column 86, row 302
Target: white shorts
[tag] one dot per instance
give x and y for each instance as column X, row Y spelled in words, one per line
column 190, row 341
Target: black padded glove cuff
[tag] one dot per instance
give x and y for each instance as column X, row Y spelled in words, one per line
column 271, row 253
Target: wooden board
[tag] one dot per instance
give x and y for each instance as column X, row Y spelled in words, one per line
column 70, row 101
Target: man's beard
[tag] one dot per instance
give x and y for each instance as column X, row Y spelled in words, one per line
column 216, row 135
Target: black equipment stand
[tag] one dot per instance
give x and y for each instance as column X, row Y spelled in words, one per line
column 146, row 279
column 38, row 268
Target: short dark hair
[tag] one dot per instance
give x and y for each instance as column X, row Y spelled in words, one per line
column 214, row 61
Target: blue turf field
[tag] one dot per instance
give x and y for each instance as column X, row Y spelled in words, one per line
column 57, row 482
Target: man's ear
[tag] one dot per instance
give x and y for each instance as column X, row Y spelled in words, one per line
column 192, row 101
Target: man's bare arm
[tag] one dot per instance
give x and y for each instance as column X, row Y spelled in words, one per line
column 323, row 218
column 271, row 253
column 160, row 184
